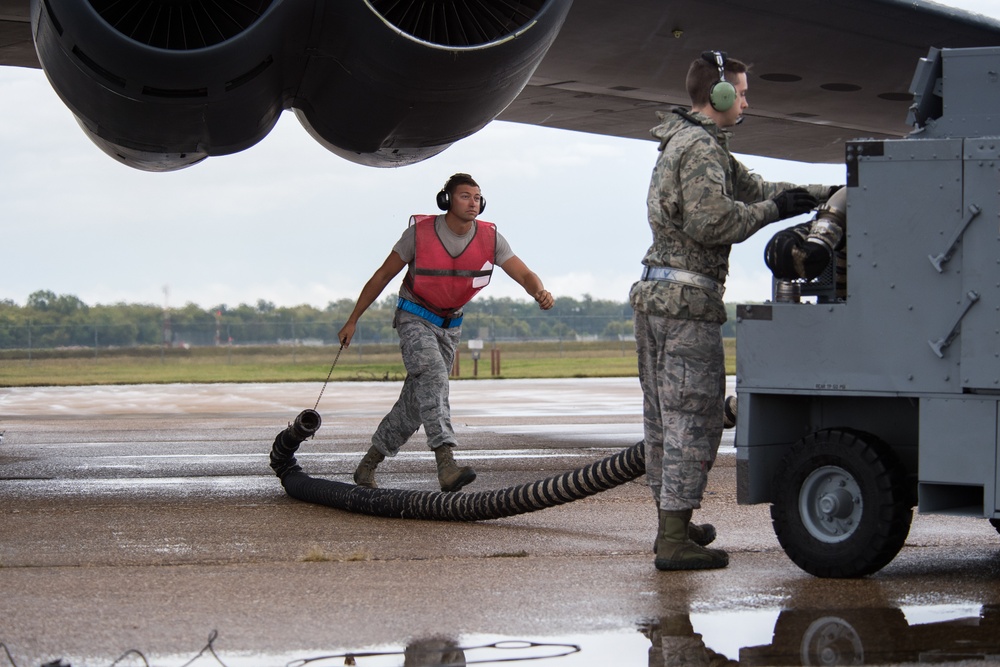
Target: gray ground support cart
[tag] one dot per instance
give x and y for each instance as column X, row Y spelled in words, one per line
column 874, row 387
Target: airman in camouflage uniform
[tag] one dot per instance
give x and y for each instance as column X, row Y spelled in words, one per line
column 701, row 201
column 428, row 339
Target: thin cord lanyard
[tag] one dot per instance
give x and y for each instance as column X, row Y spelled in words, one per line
column 327, row 381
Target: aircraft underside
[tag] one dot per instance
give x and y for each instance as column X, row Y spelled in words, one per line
column 163, row 85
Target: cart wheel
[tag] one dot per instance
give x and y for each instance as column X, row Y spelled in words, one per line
column 843, row 636
column 841, row 508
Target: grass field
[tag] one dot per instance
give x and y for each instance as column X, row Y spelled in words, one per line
column 18, row 368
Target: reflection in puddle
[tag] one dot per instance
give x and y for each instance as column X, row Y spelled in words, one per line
column 438, row 652
column 939, row 634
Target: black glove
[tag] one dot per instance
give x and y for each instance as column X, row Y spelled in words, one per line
column 794, row 201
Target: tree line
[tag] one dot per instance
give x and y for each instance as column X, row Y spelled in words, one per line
column 48, row 320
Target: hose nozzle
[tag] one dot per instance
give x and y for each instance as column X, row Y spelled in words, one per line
column 287, row 442
column 306, row 424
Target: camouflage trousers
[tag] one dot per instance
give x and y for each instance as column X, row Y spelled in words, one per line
column 428, row 353
column 683, row 377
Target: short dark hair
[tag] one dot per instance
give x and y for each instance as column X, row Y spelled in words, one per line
column 703, row 74
column 457, row 180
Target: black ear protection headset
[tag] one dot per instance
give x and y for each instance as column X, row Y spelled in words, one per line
column 444, row 201
column 722, row 95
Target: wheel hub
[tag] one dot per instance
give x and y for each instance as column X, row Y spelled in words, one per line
column 830, row 504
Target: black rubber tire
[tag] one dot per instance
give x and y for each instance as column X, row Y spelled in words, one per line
column 841, row 507
column 996, row 524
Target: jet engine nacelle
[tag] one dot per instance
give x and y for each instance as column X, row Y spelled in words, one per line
column 157, row 101
column 383, row 94
column 164, row 88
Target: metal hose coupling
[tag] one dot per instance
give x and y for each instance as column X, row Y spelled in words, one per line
column 805, row 250
column 830, row 222
column 287, row 442
column 306, row 424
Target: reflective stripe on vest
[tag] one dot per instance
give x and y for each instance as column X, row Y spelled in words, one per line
column 444, row 283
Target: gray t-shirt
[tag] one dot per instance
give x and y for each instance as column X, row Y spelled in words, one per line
column 454, row 243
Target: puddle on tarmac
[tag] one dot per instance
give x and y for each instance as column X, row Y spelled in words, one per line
column 940, row 634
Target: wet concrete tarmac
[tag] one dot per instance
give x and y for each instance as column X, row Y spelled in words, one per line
column 144, row 523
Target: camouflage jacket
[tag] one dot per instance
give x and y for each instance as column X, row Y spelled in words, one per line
column 701, row 201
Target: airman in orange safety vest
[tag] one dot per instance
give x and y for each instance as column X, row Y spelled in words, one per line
column 450, row 257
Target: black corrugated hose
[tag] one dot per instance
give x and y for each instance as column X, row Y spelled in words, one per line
column 599, row 476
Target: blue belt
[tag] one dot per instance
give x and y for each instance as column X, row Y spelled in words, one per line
column 683, row 277
column 433, row 318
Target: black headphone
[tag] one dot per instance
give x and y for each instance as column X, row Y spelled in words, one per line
column 722, row 94
column 444, row 201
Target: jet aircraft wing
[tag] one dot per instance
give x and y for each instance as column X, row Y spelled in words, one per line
column 822, row 71
column 16, row 45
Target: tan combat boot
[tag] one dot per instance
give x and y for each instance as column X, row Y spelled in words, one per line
column 701, row 534
column 365, row 474
column 676, row 551
column 451, row 476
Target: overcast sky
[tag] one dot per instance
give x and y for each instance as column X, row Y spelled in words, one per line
column 289, row 222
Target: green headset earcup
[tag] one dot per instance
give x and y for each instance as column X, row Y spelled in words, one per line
column 722, row 96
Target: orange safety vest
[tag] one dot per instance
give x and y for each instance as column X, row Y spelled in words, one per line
column 442, row 283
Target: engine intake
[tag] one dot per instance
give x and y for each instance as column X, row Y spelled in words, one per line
column 180, row 25
column 458, row 23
